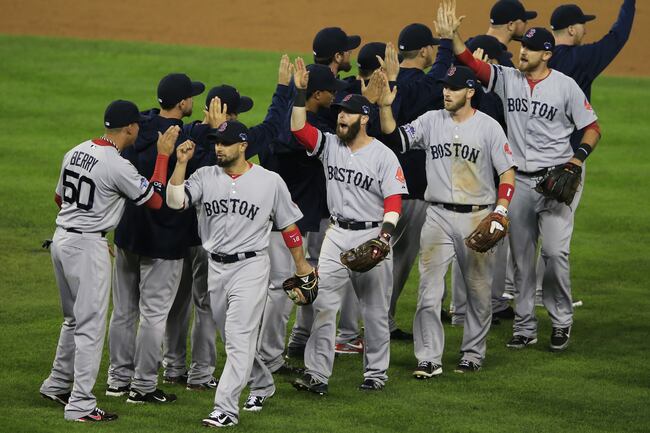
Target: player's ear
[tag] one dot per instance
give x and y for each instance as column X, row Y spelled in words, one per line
column 243, row 146
column 364, row 119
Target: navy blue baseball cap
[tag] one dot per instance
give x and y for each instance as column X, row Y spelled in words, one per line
column 230, row 96
column 321, row 77
column 355, row 104
column 229, row 132
column 490, row 45
column 173, row 88
column 332, row 40
column 538, row 39
column 505, row 11
column 460, row 77
column 367, row 58
column 568, row 15
column 121, row 113
column 415, row 36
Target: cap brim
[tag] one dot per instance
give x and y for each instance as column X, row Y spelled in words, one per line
column 435, row 41
column 215, row 137
column 245, row 104
column 197, row 88
column 353, row 42
column 587, row 18
column 451, row 85
column 529, row 15
column 344, row 106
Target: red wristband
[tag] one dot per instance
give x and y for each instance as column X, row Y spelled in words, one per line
column 292, row 238
column 506, row 191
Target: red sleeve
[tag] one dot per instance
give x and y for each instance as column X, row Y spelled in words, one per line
column 482, row 70
column 57, row 200
column 393, row 203
column 159, row 176
column 307, row 136
column 595, row 126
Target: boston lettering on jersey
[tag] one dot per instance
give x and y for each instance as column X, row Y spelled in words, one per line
column 223, row 206
column 83, row 160
column 458, row 150
column 537, row 108
column 348, row 176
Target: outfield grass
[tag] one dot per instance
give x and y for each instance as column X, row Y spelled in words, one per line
column 54, row 92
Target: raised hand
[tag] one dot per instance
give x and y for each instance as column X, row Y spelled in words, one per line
column 216, row 113
column 167, row 141
column 449, row 7
column 390, row 62
column 479, row 54
column 442, row 23
column 185, row 151
column 387, row 95
column 372, row 91
column 285, row 70
column 300, row 74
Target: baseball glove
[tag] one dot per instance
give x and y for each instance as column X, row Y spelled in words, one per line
column 366, row 256
column 489, row 231
column 302, row 289
column 561, row 183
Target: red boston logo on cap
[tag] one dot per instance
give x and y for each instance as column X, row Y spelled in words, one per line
column 451, row 71
column 223, row 127
column 347, row 97
column 530, row 33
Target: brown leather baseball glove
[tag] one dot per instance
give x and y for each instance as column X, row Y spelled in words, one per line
column 366, row 256
column 302, row 289
column 489, row 231
column 561, row 183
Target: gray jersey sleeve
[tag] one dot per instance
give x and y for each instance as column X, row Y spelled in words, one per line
column 285, row 212
column 498, row 78
column 321, row 144
column 417, row 134
column 194, row 188
column 59, row 184
column 579, row 109
column 500, row 152
column 391, row 175
column 129, row 182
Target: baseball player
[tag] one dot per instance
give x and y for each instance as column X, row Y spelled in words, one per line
column 364, row 187
column 93, row 186
column 463, row 147
column 542, row 107
column 236, row 204
column 333, row 47
column 584, row 62
column 306, row 183
column 149, row 253
column 508, row 20
column 223, row 102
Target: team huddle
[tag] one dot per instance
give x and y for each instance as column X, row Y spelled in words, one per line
column 476, row 167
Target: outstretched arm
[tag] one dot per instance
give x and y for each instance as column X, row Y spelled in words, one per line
column 175, row 190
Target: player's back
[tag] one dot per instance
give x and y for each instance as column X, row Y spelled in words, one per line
column 89, row 186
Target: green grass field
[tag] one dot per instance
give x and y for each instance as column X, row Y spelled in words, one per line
column 54, row 92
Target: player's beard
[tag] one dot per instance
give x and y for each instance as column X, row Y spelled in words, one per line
column 345, row 67
column 352, row 132
column 226, row 161
column 452, row 106
column 187, row 112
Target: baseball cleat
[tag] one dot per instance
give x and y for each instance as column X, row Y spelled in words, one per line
column 350, row 348
column 427, row 370
column 157, row 396
column 371, row 385
column 219, row 419
column 205, row 386
column 117, row 391
column 560, row 339
column 97, row 415
column 398, row 334
column 62, row 399
column 507, row 314
column 295, row 352
column 255, row 403
column 519, row 342
column 466, row 366
column 287, row 368
column 175, row 380
column 309, row 383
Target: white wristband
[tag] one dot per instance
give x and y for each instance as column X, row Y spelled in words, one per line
column 175, row 196
column 391, row 217
column 501, row 210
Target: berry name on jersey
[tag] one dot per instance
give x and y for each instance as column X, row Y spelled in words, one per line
column 83, row 160
column 232, row 206
column 349, row 176
column 537, row 108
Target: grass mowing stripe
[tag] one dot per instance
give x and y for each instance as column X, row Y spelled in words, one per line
column 55, row 92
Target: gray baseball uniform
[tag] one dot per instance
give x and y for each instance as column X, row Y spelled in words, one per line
column 461, row 158
column 235, row 217
column 357, row 184
column 540, row 118
column 94, row 183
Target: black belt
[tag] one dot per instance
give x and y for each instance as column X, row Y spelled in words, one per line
column 79, row 232
column 355, row 225
column 538, row 173
column 462, row 208
column 232, row 258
